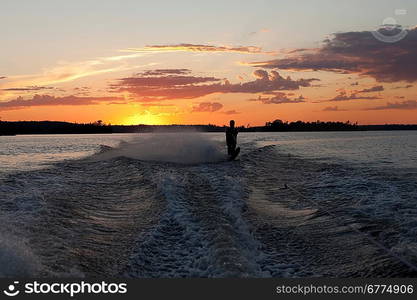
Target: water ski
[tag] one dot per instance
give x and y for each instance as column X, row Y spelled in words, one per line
column 235, row 154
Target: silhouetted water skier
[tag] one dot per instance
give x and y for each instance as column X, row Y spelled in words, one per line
column 231, row 140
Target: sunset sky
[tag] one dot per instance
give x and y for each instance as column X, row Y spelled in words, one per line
column 199, row 62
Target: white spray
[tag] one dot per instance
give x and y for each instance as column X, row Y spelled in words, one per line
column 179, row 147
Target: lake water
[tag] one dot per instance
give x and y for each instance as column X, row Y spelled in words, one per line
column 338, row 204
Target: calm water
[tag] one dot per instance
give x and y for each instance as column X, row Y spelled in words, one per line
column 396, row 149
column 170, row 205
column 28, row 152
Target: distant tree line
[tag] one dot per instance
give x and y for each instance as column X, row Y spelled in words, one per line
column 165, row 128
column 51, row 127
column 389, row 127
column 279, row 125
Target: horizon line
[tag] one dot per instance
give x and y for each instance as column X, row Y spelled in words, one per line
column 224, row 125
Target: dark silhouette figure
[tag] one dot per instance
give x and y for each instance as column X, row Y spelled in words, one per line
column 231, row 138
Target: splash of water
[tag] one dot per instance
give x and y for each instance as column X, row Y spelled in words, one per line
column 16, row 258
column 179, row 147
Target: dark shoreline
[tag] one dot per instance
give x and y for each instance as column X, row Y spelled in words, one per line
column 51, row 127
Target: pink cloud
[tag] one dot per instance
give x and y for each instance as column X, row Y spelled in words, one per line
column 403, row 105
column 166, row 87
column 231, row 112
column 47, row 100
column 333, row 108
column 200, row 48
column 207, row 107
column 357, row 52
column 279, row 98
column 343, row 96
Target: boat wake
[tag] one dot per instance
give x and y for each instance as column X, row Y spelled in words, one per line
column 172, row 206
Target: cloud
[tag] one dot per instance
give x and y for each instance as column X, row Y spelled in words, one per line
column 207, row 107
column 357, row 52
column 3, row 77
column 403, row 87
column 231, row 112
column 82, row 91
column 47, row 100
column 378, row 88
column 279, row 98
column 200, row 48
column 167, row 87
column 159, row 72
column 69, row 71
column 169, row 81
column 116, row 102
column 333, row 108
column 403, row 105
column 155, row 104
column 28, row 89
column 343, row 96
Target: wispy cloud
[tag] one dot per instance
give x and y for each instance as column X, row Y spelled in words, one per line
column 160, row 72
column 377, row 88
column 231, row 112
column 70, row 71
column 279, row 98
column 150, row 104
column 162, row 81
column 200, row 48
column 47, row 100
column 333, row 108
column 403, row 87
column 343, row 96
column 28, row 89
column 207, row 107
column 403, row 105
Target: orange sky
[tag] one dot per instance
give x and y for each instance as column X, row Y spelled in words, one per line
column 252, row 73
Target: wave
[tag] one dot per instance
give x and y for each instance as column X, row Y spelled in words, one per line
column 202, row 232
column 183, row 148
column 158, row 206
column 16, row 258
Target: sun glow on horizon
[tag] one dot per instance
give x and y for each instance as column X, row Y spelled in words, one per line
column 143, row 71
column 145, row 118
